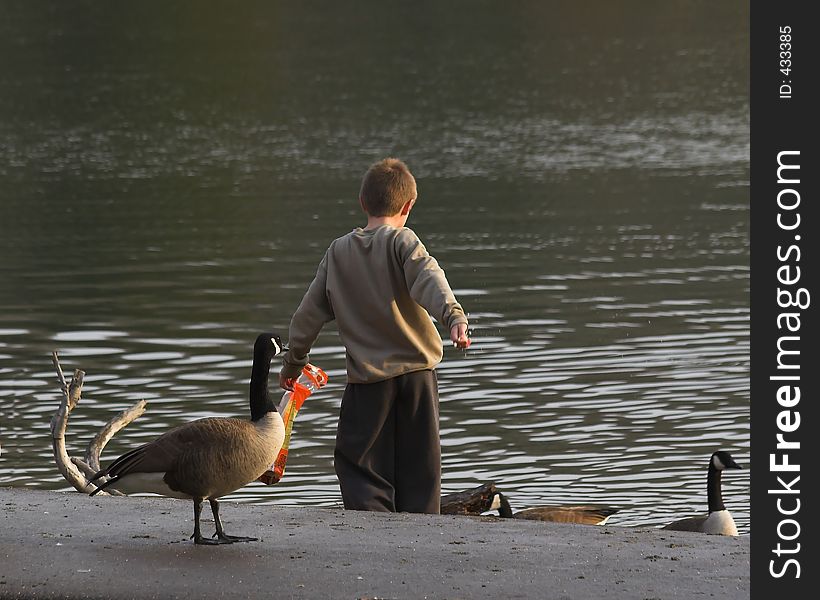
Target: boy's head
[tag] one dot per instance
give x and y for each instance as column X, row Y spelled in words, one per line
column 386, row 187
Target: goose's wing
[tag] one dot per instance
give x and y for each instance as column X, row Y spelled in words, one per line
column 583, row 514
column 687, row 524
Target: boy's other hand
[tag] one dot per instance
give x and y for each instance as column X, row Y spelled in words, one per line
column 458, row 335
column 286, row 383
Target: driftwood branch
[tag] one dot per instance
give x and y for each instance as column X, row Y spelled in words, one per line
column 86, row 470
column 60, row 377
column 59, row 422
column 77, row 471
column 95, row 446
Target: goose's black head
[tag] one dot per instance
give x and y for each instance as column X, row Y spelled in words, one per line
column 268, row 345
column 723, row 460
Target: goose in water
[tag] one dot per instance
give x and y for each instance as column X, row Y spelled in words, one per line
column 584, row 514
column 208, row 458
column 718, row 521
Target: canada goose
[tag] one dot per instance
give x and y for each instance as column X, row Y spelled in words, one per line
column 210, row 457
column 584, row 514
column 718, row 521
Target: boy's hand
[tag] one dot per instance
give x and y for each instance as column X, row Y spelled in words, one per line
column 458, row 335
column 286, row 383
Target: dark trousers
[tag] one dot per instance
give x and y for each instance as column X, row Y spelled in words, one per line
column 388, row 452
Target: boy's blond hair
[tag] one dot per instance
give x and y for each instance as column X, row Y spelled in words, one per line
column 386, row 187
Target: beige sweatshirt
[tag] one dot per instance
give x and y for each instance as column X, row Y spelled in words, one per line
column 379, row 285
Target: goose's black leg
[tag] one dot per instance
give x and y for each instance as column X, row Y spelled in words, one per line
column 198, row 539
column 220, row 533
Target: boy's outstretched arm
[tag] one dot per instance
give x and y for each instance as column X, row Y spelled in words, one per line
column 429, row 287
column 313, row 312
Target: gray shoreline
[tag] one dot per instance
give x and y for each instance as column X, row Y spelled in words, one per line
column 67, row 545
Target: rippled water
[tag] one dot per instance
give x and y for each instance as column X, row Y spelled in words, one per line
column 169, row 181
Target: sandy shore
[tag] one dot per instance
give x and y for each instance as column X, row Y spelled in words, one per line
column 66, row 545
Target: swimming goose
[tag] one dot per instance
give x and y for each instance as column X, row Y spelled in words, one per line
column 208, row 458
column 718, row 521
column 584, row 514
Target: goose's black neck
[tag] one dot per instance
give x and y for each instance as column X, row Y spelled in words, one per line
column 713, row 490
column 260, row 399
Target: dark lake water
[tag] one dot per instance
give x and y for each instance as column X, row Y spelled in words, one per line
column 170, row 177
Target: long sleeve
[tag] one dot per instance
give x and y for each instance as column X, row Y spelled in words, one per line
column 426, row 281
column 311, row 315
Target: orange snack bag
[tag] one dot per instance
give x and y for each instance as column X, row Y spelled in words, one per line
column 311, row 379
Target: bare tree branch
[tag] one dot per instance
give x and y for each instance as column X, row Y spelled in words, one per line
column 95, row 446
column 59, row 422
column 60, row 376
column 76, row 471
column 83, row 467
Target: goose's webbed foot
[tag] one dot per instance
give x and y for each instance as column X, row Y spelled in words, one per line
column 198, row 539
column 220, row 534
column 230, row 539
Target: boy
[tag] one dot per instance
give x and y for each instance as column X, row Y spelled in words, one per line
column 379, row 284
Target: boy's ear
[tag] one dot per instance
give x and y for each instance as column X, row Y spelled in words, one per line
column 405, row 210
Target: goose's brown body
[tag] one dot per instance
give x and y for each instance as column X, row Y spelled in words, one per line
column 207, row 458
column 583, row 514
